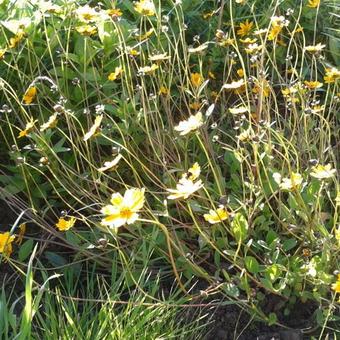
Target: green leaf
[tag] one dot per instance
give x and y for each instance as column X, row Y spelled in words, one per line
column 289, row 244
column 55, row 259
column 272, row 319
column 252, row 265
column 25, row 250
column 239, row 227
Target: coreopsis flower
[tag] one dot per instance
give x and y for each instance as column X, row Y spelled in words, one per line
column 48, row 6
column 240, row 72
column 322, row 172
column 315, row 48
column 194, row 172
column 193, row 123
column 6, row 240
column 145, row 7
column 196, row 79
column 87, row 30
column 148, row 69
column 116, row 74
column 262, row 86
column 184, row 188
column 245, row 28
column 111, row 165
column 28, row 128
column 123, row 210
column 132, row 52
column 332, row 75
column 195, row 105
column 51, row 123
column 291, row 183
column 216, row 216
column 114, row 13
column 277, row 23
column 64, row 224
column 87, row 14
column 22, row 230
column 94, row 130
column 313, row 3
column 234, row 85
column 253, row 48
column 14, row 41
column 312, row 85
column 336, row 285
column 29, row 95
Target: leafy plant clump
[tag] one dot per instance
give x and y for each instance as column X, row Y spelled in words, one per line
column 197, row 138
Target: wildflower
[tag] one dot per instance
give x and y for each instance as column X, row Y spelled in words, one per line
column 336, row 285
column 292, row 183
column 64, row 224
column 216, row 216
column 196, row 79
column 28, row 128
column 332, row 74
column 29, row 95
column 94, row 130
column 253, row 48
column 14, row 41
column 195, row 105
column 164, row 91
column 6, row 243
column 87, row 14
column 198, row 49
column 114, row 13
column 22, row 230
column 245, row 28
column 248, row 41
column 159, row 57
column 193, row 123
column 240, row 72
column 245, row 135
column 116, row 74
column 194, row 172
column 211, row 75
column 234, row 85
column 223, row 39
column 123, row 210
column 315, row 48
column 261, row 31
column 208, row 15
column 313, row 3
column 51, row 123
column 312, row 85
column 87, row 30
column 110, row 165
column 274, row 32
column 145, row 7
column 132, row 52
column 262, row 86
column 184, row 188
column 238, row 110
column 148, row 69
column 323, row 171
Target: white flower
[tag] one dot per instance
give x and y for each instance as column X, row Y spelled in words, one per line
column 193, row 123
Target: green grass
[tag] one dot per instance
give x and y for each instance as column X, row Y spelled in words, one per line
column 264, row 165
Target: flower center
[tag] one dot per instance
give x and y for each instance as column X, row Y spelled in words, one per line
column 126, row 213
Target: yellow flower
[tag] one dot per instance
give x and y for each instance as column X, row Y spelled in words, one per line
column 116, row 74
column 332, row 74
column 194, row 172
column 195, row 106
column 274, row 32
column 132, row 52
column 87, row 14
column 51, row 123
column 222, row 39
column 164, row 91
column 87, row 30
column 64, row 224
column 94, row 130
column 336, row 285
column 22, row 230
column 110, row 165
column 14, row 41
column 114, row 13
column 245, row 28
column 323, row 171
column 312, row 85
column 313, row 3
column 196, row 79
column 234, row 85
column 216, row 216
column 146, row 35
column 208, row 15
column 148, row 69
column 315, row 48
column 240, row 72
column 193, row 123
column 211, row 75
column 29, row 95
column 6, row 243
column 184, row 188
column 123, row 210
column 28, row 128
column 248, row 41
column 292, row 183
column 262, row 86
column 145, row 7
